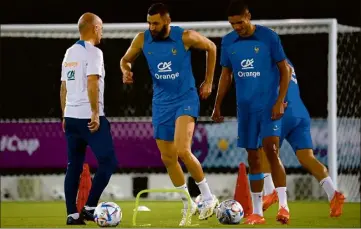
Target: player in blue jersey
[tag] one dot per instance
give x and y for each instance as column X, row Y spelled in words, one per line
column 175, row 99
column 296, row 129
column 253, row 54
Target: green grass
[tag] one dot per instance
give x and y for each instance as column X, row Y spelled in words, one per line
column 167, row 214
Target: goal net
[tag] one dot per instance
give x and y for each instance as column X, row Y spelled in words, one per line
column 327, row 62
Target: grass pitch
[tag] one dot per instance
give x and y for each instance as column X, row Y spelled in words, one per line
column 167, row 214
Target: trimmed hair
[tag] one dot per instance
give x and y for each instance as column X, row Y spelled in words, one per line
column 158, row 8
column 237, row 7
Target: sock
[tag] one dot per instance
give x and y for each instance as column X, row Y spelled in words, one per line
column 205, row 191
column 257, row 203
column 183, row 196
column 328, row 186
column 268, row 186
column 74, row 216
column 282, row 197
column 101, row 179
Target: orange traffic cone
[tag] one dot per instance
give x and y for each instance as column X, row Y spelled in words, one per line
column 85, row 185
column 242, row 193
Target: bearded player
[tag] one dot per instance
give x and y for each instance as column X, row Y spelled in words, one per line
column 175, row 100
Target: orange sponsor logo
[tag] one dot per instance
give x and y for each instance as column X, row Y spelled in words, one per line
column 70, row 64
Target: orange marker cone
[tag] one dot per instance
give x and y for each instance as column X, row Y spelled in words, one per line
column 85, row 185
column 242, row 192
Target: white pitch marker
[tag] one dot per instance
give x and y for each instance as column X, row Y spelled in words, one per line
column 143, row 209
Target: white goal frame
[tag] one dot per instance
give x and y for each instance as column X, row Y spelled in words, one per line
column 218, row 29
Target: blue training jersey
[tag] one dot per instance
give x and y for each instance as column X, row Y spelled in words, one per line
column 170, row 66
column 293, row 98
column 253, row 61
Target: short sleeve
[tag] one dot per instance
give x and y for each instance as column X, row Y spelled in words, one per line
column 225, row 61
column 95, row 63
column 277, row 51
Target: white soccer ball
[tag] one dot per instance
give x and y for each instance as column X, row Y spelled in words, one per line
column 230, row 212
column 107, row 214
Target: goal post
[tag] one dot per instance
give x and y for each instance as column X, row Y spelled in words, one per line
column 332, row 100
column 216, row 29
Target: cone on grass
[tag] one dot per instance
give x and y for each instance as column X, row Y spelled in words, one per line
column 85, row 185
column 242, row 193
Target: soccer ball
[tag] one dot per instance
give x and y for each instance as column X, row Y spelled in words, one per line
column 107, row 214
column 199, row 202
column 229, row 212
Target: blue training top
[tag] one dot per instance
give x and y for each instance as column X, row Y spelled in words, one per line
column 293, row 97
column 253, row 61
column 170, row 66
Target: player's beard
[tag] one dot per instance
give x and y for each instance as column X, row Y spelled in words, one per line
column 161, row 34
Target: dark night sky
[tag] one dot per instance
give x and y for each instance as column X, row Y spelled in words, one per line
column 51, row 11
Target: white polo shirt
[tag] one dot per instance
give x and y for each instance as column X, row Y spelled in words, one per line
column 81, row 60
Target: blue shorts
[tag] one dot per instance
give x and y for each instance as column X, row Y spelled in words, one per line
column 297, row 131
column 78, row 137
column 269, row 127
column 165, row 116
column 249, row 126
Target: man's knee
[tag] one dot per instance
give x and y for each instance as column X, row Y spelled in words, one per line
column 75, row 166
column 254, row 160
column 169, row 158
column 306, row 158
column 271, row 146
column 184, row 154
column 183, row 150
column 109, row 161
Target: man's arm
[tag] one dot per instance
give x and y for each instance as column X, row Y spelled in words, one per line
column 93, row 93
column 193, row 39
column 279, row 56
column 225, row 82
column 93, row 72
column 285, row 77
column 132, row 53
column 62, row 97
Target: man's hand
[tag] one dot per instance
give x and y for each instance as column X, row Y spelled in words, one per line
column 205, row 89
column 216, row 115
column 127, row 77
column 278, row 110
column 94, row 123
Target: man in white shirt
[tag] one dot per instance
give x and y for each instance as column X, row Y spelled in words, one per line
column 84, row 123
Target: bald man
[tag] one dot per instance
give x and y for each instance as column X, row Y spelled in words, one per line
column 84, row 123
